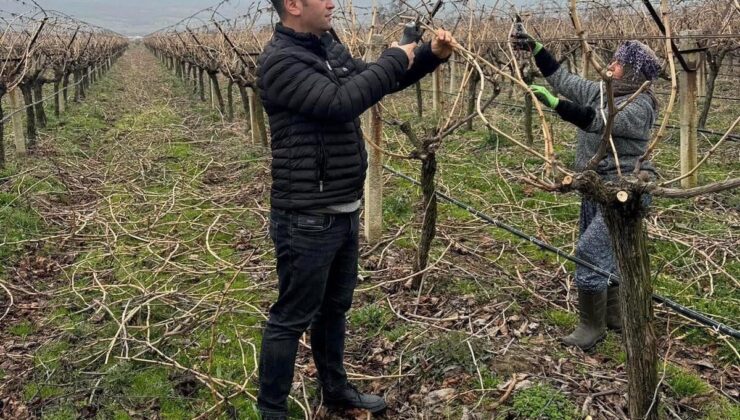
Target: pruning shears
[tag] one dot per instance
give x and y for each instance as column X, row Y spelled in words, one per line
column 518, row 25
column 412, row 31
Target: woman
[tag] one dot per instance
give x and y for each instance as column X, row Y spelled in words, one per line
column 582, row 105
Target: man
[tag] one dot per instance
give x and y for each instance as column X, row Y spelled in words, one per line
column 314, row 92
column 634, row 63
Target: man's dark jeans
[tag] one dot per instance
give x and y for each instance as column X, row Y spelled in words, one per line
column 317, row 270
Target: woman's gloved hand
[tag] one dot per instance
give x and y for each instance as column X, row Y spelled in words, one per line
column 521, row 40
column 545, row 96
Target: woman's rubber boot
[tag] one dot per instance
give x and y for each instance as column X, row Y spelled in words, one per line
column 592, row 326
column 613, row 312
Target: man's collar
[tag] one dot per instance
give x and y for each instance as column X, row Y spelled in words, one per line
column 306, row 39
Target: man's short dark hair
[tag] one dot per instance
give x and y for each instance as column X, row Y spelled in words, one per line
column 279, row 6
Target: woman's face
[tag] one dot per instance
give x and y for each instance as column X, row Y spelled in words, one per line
column 617, row 70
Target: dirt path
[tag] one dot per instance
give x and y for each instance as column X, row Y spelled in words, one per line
column 155, row 214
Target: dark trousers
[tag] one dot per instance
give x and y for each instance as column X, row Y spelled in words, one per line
column 317, row 272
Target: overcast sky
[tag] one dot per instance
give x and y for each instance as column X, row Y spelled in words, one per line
column 141, row 17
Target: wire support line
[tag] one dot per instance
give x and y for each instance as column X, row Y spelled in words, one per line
column 611, row 278
column 45, row 98
column 733, row 137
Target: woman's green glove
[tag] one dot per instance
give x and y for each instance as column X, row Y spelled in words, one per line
column 545, row 96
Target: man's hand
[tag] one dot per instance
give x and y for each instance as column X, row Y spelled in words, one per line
column 523, row 41
column 408, row 49
column 442, row 44
column 544, row 96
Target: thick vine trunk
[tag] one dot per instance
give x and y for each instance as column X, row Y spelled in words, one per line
column 230, row 101
column 38, row 99
column 85, row 82
column 77, row 82
column 216, row 91
column 245, row 104
column 472, row 92
column 429, row 223
column 201, row 87
column 194, row 78
column 26, row 90
column 65, row 89
column 2, row 130
column 629, row 238
column 714, row 62
column 419, row 102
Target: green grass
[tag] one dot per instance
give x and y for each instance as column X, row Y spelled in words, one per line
column 561, row 318
column 451, row 349
column 19, row 222
column 611, row 347
column 721, row 409
column 684, row 383
column 65, row 412
column 398, row 332
column 543, row 402
column 372, row 318
column 23, row 329
column 42, row 391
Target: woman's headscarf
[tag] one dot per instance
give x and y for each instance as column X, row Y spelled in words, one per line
column 640, row 65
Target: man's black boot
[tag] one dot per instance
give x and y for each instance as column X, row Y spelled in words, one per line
column 350, row 397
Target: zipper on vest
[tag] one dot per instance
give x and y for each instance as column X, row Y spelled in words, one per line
column 321, row 160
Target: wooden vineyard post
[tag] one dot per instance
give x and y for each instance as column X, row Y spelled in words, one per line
column 213, row 93
column 60, row 98
column 245, row 104
column 260, row 119
column 252, row 113
column 687, row 87
column 201, row 85
column 15, row 106
column 436, row 94
column 230, row 101
column 584, row 63
column 373, row 129
column 2, row 129
column 257, row 118
column 65, row 93
column 452, row 90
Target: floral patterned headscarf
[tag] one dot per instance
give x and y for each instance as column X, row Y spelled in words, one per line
column 640, row 57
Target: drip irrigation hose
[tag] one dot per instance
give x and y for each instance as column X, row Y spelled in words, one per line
column 612, row 278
